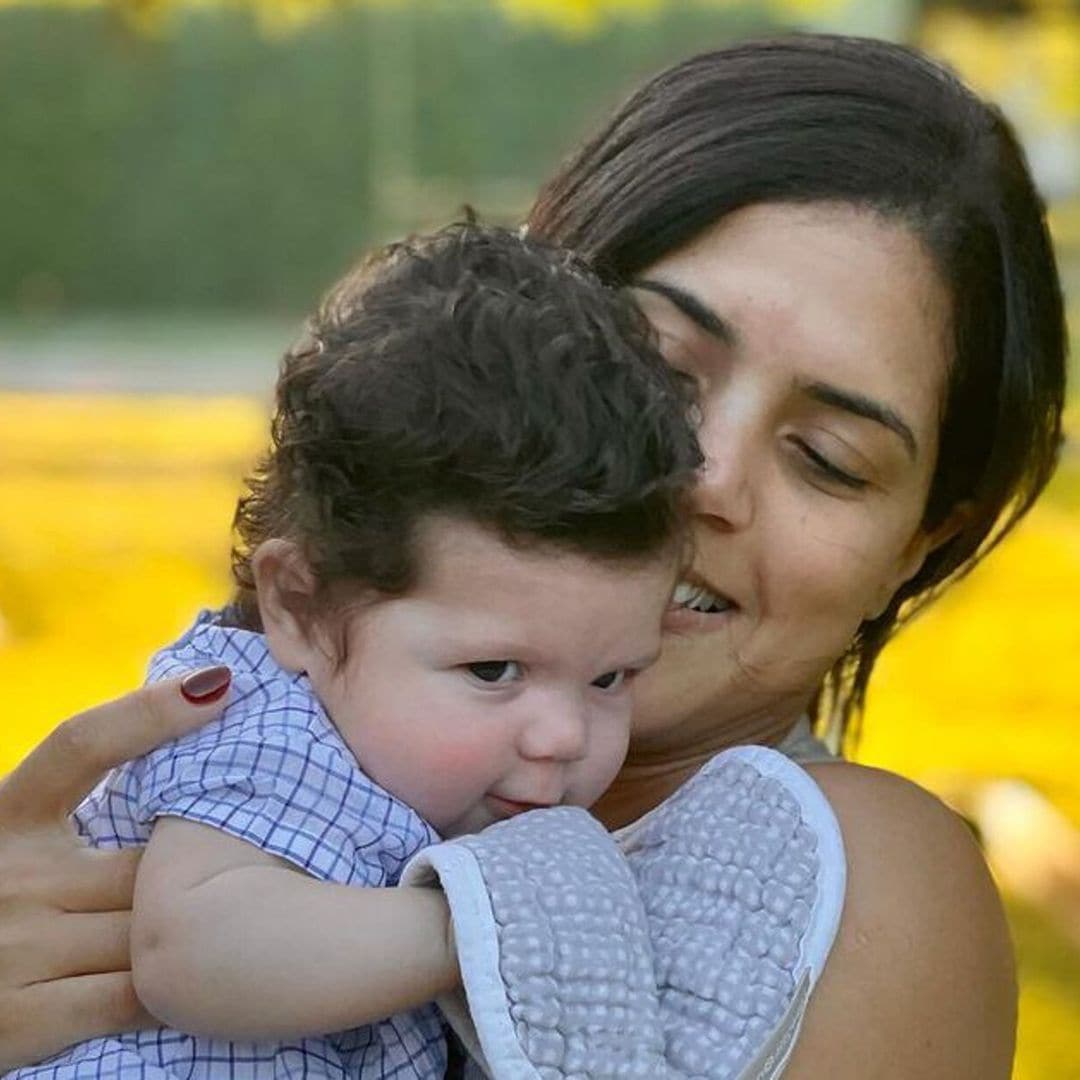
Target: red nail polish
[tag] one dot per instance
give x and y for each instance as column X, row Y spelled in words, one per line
column 206, row 685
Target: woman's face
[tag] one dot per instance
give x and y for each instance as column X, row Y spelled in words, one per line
column 818, row 336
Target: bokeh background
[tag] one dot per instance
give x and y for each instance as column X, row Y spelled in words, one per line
column 178, row 180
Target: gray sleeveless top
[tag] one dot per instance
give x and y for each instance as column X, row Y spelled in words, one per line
column 803, row 746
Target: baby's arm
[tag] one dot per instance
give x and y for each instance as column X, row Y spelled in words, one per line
column 230, row 941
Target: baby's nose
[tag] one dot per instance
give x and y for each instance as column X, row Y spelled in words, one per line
column 557, row 731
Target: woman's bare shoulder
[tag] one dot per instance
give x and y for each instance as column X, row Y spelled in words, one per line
column 921, row 980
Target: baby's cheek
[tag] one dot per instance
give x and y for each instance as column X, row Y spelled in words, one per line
column 607, row 751
column 456, row 760
column 460, row 763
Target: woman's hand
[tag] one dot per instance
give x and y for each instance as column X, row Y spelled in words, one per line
column 65, row 908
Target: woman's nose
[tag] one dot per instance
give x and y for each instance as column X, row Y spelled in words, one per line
column 724, row 492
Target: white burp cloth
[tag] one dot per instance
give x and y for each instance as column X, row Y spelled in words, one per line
column 742, row 874
column 554, row 950
column 690, row 953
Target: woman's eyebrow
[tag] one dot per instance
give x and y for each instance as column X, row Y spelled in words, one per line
column 693, row 308
column 718, row 327
column 865, row 407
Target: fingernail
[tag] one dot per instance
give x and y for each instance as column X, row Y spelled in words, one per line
column 206, row 685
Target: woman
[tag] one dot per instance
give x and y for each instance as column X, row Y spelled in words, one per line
column 844, row 248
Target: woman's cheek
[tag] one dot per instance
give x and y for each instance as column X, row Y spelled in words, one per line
column 822, row 591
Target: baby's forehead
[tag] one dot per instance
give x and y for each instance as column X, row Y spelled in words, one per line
column 488, row 594
column 448, row 546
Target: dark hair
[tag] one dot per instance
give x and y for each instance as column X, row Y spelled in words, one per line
column 473, row 373
column 811, row 118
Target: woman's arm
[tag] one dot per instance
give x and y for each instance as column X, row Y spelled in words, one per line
column 64, row 908
column 921, row 981
column 230, row 941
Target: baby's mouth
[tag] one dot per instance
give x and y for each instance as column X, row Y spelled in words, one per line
column 689, row 596
column 513, row 807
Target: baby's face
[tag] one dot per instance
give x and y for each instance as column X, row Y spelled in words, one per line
column 502, row 682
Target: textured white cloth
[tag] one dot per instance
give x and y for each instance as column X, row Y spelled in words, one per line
column 687, row 946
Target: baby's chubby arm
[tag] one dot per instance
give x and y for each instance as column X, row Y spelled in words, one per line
column 230, row 941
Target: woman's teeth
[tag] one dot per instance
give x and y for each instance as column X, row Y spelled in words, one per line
column 698, row 598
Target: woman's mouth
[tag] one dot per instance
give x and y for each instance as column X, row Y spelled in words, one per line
column 698, row 598
column 695, row 607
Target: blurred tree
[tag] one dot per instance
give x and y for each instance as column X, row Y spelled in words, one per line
column 574, row 16
column 208, row 163
column 238, row 153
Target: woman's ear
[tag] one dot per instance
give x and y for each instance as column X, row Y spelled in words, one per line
column 919, row 548
column 285, row 588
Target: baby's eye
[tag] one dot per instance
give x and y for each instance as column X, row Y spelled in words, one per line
column 496, row 672
column 611, row 680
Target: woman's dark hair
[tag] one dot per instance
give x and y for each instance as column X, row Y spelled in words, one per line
column 476, row 374
column 876, row 125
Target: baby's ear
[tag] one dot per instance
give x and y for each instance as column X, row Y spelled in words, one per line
column 285, row 587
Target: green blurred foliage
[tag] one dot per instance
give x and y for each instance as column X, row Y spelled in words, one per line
column 218, row 166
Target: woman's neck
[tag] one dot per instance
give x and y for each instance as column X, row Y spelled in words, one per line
column 656, row 768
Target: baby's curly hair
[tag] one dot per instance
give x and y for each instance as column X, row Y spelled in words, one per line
column 471, row 373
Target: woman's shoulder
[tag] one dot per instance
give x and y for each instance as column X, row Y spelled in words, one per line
column 920, row 981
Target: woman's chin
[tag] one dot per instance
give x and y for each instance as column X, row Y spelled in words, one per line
column 694, row 677
column 704, row 694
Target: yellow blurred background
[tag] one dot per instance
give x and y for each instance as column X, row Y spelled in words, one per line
column 116, row 507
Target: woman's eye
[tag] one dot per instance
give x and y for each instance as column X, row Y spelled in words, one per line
column 496, row 672
column 686, row 368
column 824, row 467
column 611, row 680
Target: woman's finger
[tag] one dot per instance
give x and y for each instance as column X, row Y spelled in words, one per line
column 70, row 761
column 72, row 944
column 96, row 880
column 63, row 907
column 41, row 1019
column 48, row 871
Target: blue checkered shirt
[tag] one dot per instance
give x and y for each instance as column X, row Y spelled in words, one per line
column 274, row 771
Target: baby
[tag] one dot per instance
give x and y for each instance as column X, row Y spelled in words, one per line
column 450, row 567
